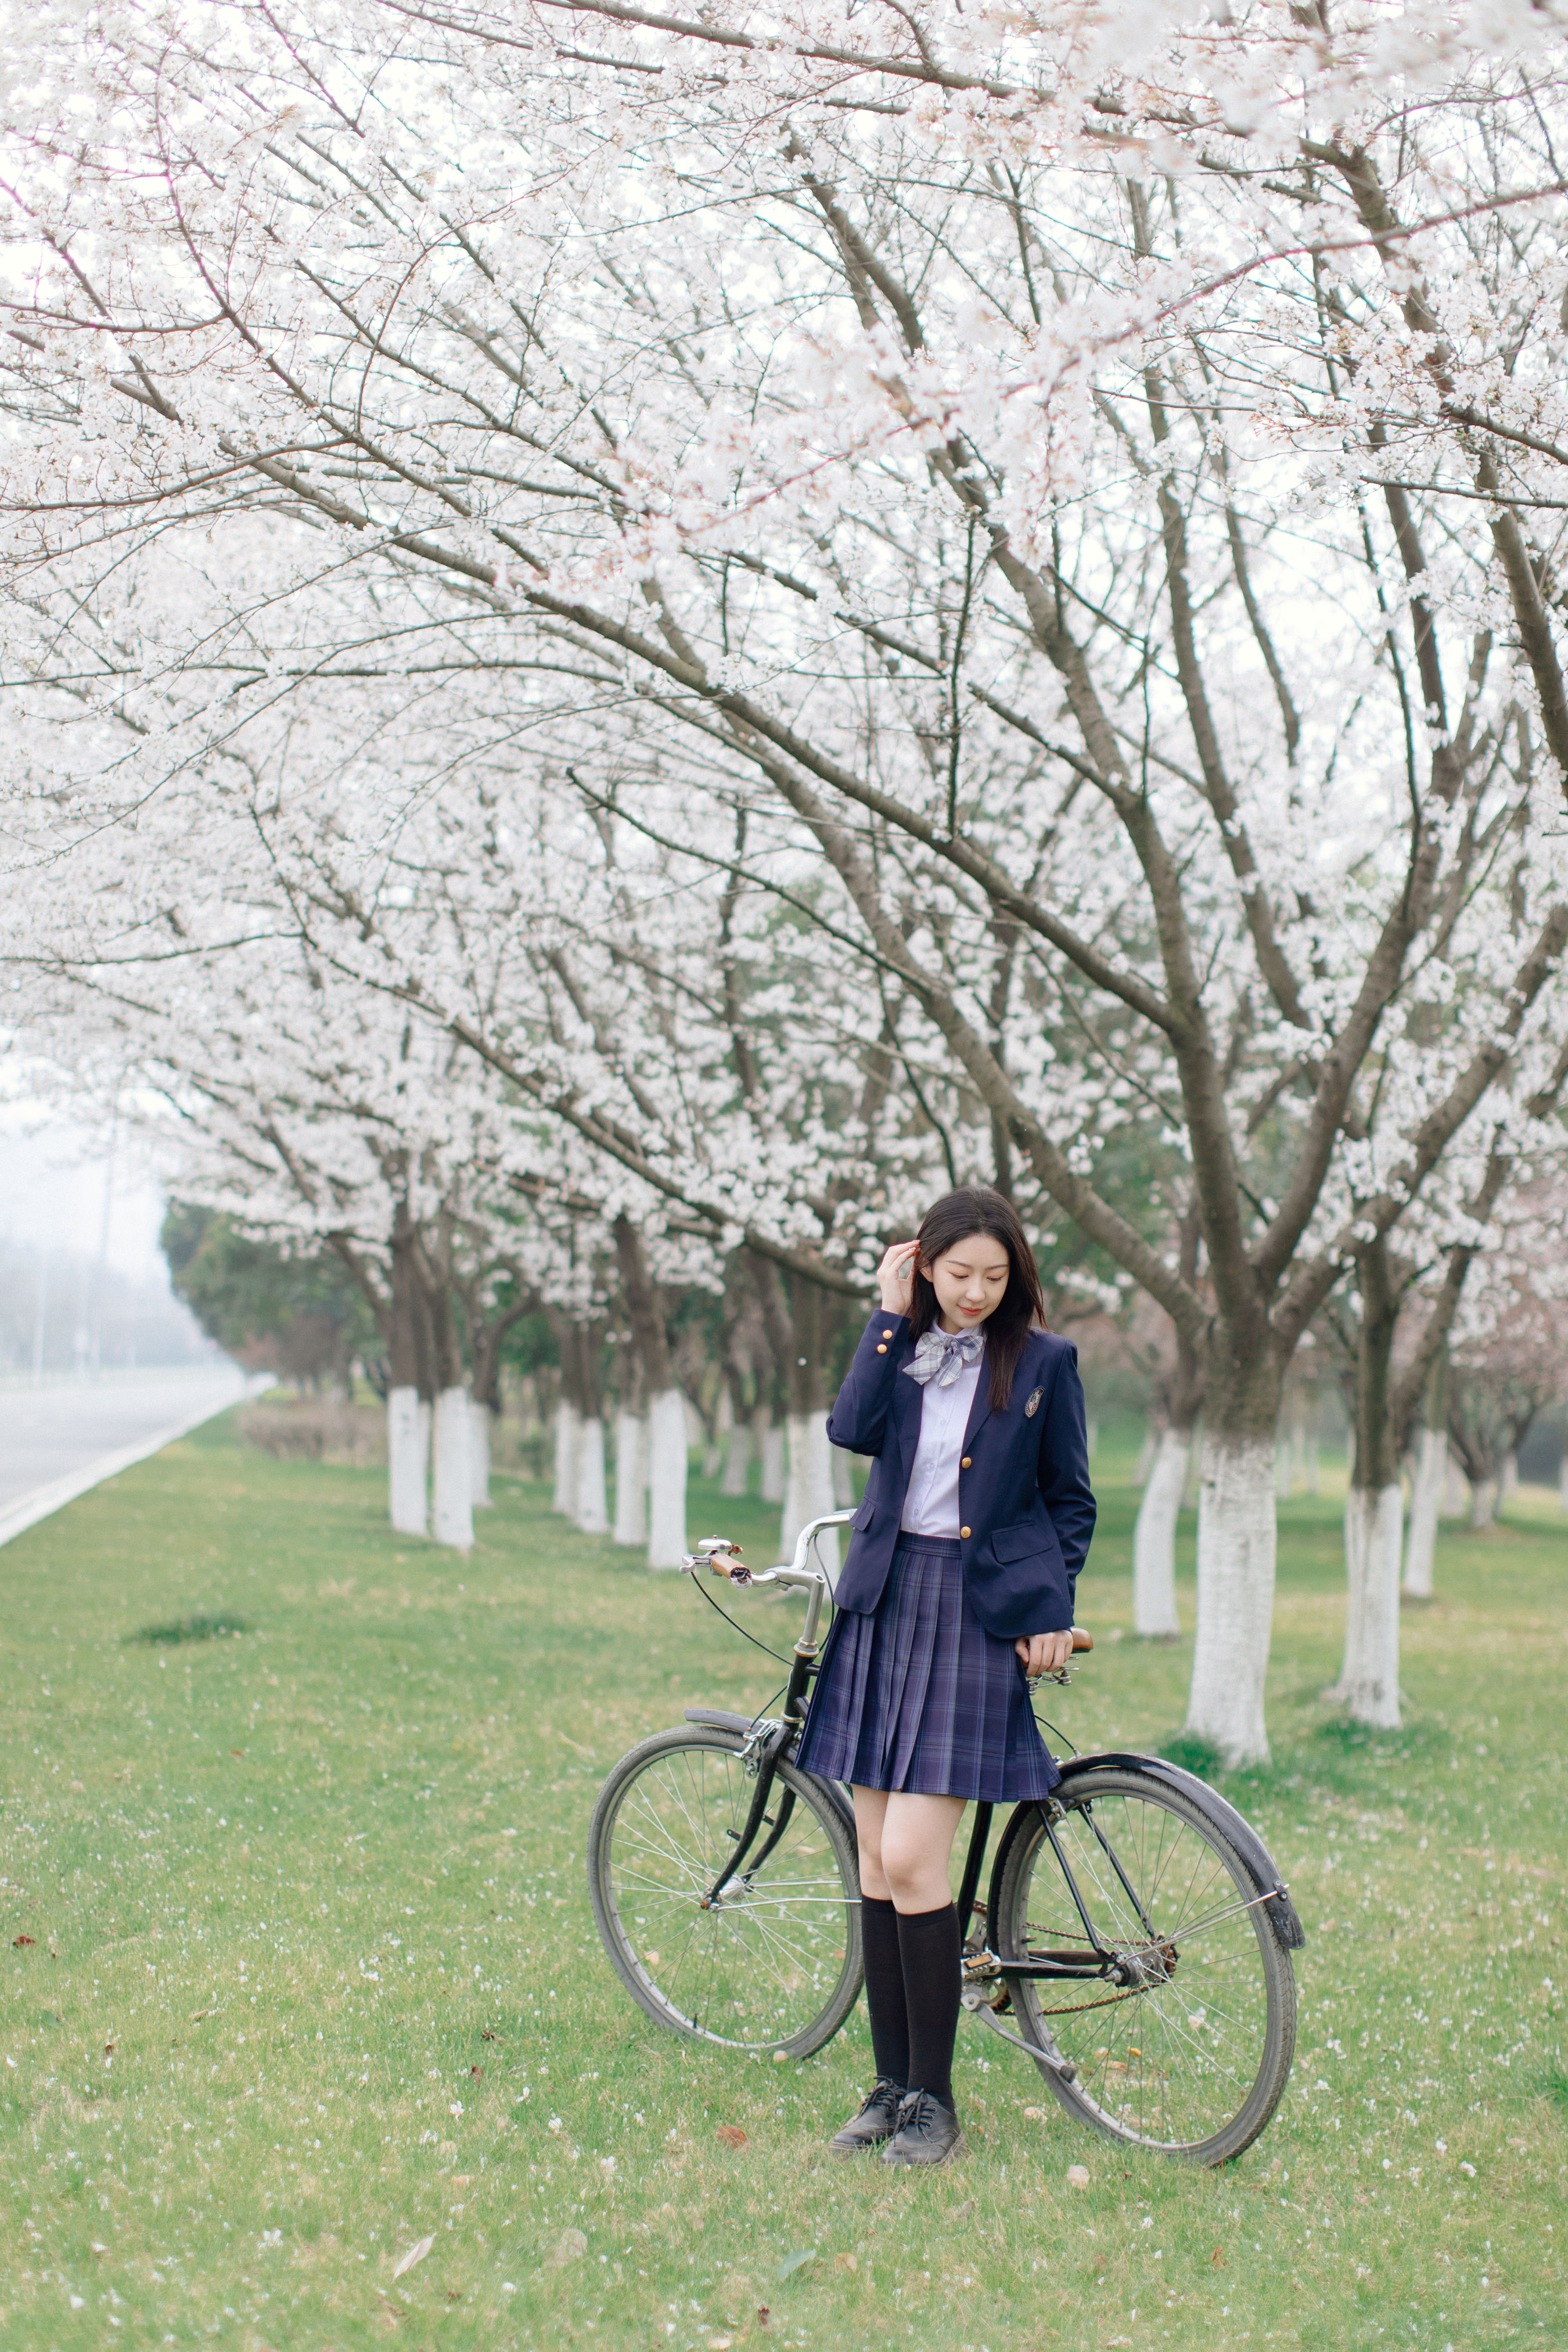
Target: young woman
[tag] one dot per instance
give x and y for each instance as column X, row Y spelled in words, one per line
column 958, row 1581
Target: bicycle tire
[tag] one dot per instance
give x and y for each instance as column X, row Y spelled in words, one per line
column 1215, row 2038
column 775, row 1967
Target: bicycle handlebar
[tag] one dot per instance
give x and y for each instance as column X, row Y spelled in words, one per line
column 724, row 1557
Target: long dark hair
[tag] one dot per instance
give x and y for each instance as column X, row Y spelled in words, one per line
column 976, row 1209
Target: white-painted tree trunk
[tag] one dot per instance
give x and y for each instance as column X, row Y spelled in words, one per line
column 1453, row 1491
column 592, row 1513
column 808, row 1492
column 1508, row 1486
column 774, row 1462
column 723, row 1418
column 1235, row 1597
column 452, row 1516
column 843, row 1478
column 1426, row 1502
column 1368, row 1685
column 1194, row 1470
column 1483, row 1503
column 737, row 1461
column 631, row 1480
column 1313, row 1471
column 405, row 1462
column 567, row 1425
column 481, row 1456
column 1282, row 1478
column 667, row 1465
column 1154, row 1539
column 1091, row 1434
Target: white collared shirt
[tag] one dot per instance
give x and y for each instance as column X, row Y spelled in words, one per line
column 930, row 1506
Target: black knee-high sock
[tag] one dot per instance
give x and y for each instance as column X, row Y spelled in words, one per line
column 930, row 1947
column 885, row 1990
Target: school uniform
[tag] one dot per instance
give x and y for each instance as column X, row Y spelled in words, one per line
column 972, row 1529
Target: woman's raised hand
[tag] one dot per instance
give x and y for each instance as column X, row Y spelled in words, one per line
column 896, row 1277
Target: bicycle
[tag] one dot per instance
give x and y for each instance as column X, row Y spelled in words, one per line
column 1135, row 1929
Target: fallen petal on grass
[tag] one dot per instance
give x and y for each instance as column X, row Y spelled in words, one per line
column 417, row 2254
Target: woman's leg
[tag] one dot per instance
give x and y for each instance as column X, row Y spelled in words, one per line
column 880, row 1944
column 914, row 1850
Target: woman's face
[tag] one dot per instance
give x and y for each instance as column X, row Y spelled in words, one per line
column 969, row 1281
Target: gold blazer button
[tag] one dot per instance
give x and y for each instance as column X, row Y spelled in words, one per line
column 965, row 1532
column 880, row 1349
column 964, row 1463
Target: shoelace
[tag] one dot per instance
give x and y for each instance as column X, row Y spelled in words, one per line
column 916, row 2110
column 885, row 2095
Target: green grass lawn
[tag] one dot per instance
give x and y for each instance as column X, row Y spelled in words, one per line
column 312, row 1975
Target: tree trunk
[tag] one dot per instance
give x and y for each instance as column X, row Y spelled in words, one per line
column 1368, row 1685
column 1483, row 1502
column 738, row 1460
column 797, row 1315
column 1236, row 1596
column 843, row 1478
column 1283, row 1480
column 717, row 1444
column 1425, row 1503
column 405, row 1462
column 1154, row 1539
column 1508, row 1483
column 452, row 1518
column 1454, row 1489
column 808, row 1494
column 481, row 1435
column 667, row 1479
column 408, row 1370
column 666, row 1431
column 631, row 1479
column 773, row 1454
column 568, row 1422
column 591, row 1514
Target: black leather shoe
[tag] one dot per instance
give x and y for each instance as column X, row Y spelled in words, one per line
column 928, row 2133
column 876, row 2121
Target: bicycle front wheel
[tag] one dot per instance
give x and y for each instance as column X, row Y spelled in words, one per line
column 1189, row 2053
column 773, row 1961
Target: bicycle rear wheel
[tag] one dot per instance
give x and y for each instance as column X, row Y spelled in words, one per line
column 774, row 1962
column 1190, row 2057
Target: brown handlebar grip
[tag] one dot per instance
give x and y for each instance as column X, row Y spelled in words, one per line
column 1080, row 1640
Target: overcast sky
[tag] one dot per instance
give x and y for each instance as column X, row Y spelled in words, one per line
column 53, row 1177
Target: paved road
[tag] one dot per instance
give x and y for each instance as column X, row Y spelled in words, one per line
column 56, row 1443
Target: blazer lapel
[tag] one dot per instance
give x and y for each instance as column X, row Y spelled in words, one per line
column 906, row 1398
column 980, row 1410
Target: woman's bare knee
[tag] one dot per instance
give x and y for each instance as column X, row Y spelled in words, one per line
column 871, row 1812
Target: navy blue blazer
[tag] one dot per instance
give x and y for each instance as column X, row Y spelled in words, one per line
column 1024, row 1495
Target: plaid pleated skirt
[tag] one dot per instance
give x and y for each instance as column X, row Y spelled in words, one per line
column 919, row 1696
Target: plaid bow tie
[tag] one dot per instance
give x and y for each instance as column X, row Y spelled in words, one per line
column 941, row 1356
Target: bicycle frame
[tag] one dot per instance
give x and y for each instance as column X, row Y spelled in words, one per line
column 770, row 1736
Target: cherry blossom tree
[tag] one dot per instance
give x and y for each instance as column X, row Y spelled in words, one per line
column 1063, row 507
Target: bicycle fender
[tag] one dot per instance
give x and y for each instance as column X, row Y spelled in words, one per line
column 722, row 1719
column 1253, row 1854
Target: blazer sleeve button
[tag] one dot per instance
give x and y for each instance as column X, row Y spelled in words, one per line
column 964, row 1463
column 966, row 1533
column 887, row 1335
column 880, row 1349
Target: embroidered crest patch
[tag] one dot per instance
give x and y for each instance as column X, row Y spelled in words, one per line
column 1032, row 1403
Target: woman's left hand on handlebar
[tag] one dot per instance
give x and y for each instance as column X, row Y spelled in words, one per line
column 1044, row 1653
